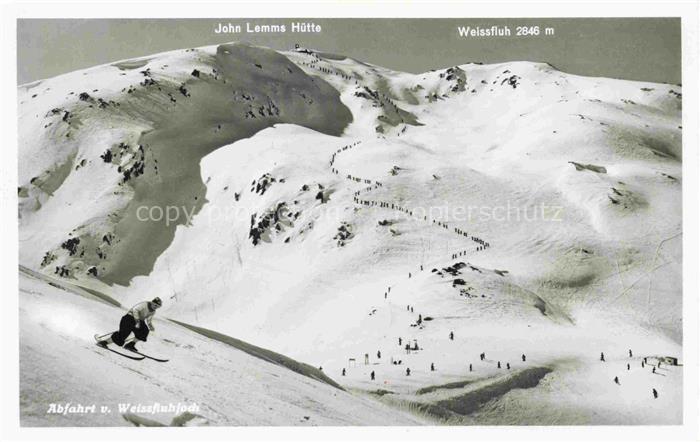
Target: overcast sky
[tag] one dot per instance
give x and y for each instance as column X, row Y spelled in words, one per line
column 646, row 49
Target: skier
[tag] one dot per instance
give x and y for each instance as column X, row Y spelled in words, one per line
column 617, row 381
column 508, row 365
column 630, row 353
column 602, row 357
column 343, row 372
column 655, row 393
column 653, row 370
column 379, row 354
column 137, row 320
column 628, row 367
column 408, row 371
column 432, row 367
column 482, row 356
column 371, row 375
column 470, row 368
column 523, row 357
column 499, row 364
column 399, row 341
column 452, row 336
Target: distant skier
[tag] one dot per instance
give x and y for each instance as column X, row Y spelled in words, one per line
column 499, row 364
column 343, row 372
column 523, row 357
column 602, row 357
column 628, row 367
column 630, row 353
column 371, row 375
column 408, row 371
column 379, row 354
column 470, row 368
column 508, row 365
column 653, row 370
column 617, row 380
column 432, row 366
column 482, row 356
column 400, row 341
column 137, row 320
column 452, row 336
column 655, row 393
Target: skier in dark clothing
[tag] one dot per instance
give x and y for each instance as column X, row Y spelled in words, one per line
column 523, row 357
column 482, row 356
column 655, row 393
column 137, row 320
column 371, row 375
column 602, row 357
column 617, row 381
column 343, row 372
column 432, row 367
column 452, row 336
column 408, row 371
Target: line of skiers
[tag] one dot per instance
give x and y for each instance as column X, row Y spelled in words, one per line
column 388, row 205
column 313, row 65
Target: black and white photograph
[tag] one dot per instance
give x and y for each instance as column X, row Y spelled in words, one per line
column 457, row 217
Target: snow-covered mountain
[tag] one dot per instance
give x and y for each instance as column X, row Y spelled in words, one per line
column 325, row 208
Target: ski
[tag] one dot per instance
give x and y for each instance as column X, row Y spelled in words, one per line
column 106, row 347
column 135, row 358
column 149, row 357
column 98, row 338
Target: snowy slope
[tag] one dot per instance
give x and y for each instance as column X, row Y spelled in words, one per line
column 527, row 210
column 59, row 363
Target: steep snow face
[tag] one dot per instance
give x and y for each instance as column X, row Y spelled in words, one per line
column 525, row 210
column 125, row 138
column 236, row 389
